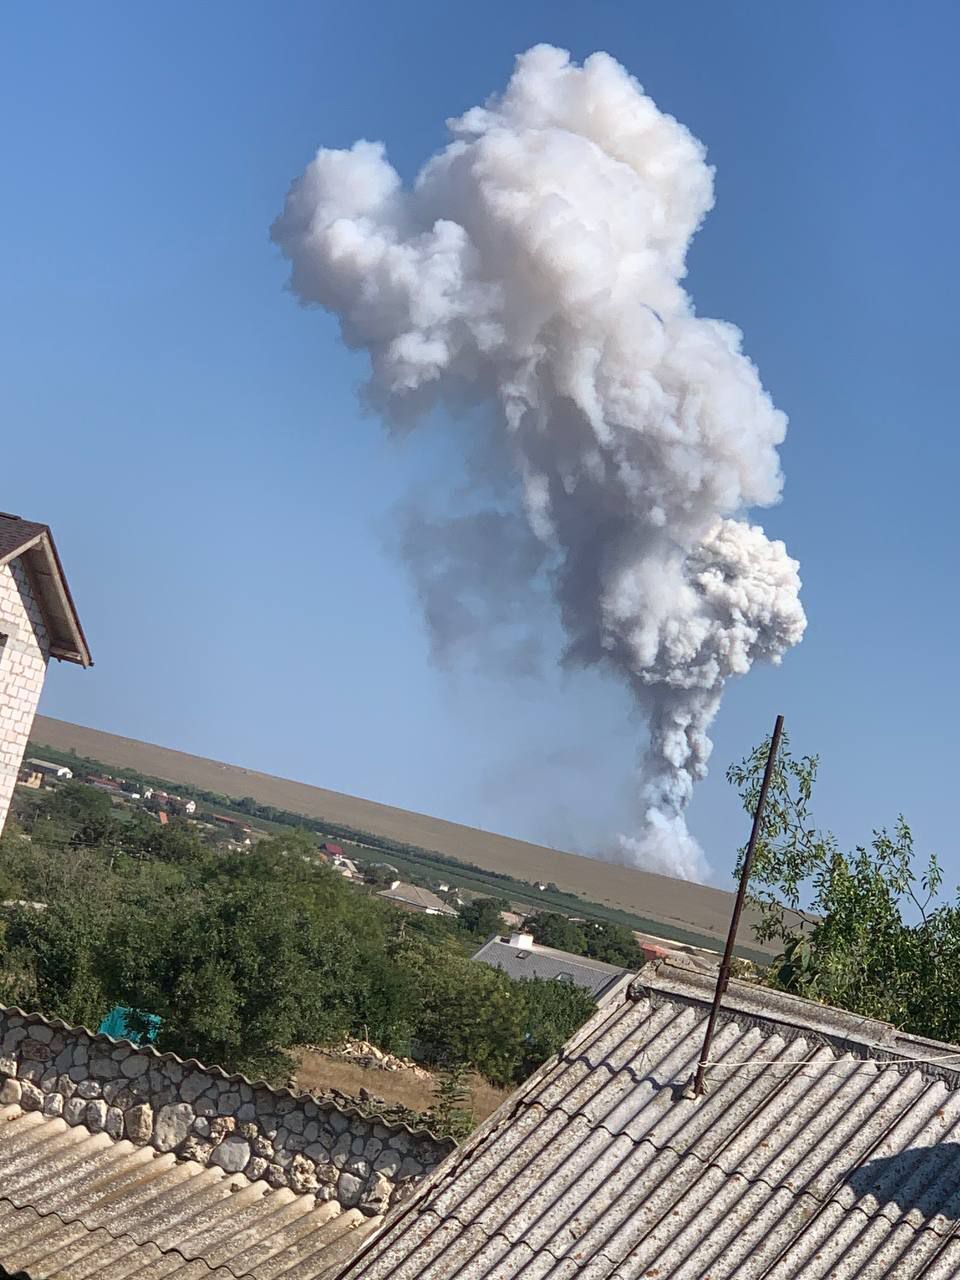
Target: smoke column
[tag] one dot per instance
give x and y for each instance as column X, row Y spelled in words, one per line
column 536, row 264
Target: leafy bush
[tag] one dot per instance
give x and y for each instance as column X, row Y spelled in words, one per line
column 864, row 930
column 243, row 956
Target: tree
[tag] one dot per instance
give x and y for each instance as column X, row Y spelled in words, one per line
column 451, row 1114
column 861, row 930
column 244, row 958
column 483, row 917
column 612, row 943
column 553, row 1012
column 551, row 929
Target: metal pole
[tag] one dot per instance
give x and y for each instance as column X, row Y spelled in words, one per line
column 723, row 977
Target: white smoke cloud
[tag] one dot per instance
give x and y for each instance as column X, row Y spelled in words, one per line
column 536, row 264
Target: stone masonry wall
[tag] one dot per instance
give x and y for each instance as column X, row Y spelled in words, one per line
column 24, row 649
column 201, row 1113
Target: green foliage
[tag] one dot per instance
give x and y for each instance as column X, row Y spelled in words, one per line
column 483, row 917
column 861, row 930
column 551, row 929
column 244, row 956
column 599, row 939
column 554, row 1010
column 450, row 1114
column 414, row 863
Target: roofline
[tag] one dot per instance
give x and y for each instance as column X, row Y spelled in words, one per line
column 792, row 1017
column 538, row 948
column 43, row 544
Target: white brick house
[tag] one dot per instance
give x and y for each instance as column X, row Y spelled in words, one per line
column 38, row 621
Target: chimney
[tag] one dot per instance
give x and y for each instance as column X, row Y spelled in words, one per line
column 524, row 941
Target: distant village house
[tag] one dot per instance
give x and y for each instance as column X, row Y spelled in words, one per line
column 411, row 897
column 47, row 769
column 519, row 956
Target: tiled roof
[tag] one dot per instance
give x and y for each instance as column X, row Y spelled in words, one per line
column 33, row 545
column 548, row 962
column 827, row 1147
column 16, row 535
column 77, row 1205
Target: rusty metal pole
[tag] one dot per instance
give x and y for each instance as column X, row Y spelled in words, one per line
column 723, row 977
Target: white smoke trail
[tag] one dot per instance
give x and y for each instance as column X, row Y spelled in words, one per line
column 536, row 262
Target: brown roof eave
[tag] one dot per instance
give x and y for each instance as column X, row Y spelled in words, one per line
column 67, row 641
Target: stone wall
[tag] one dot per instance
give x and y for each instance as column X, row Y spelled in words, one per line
column 24, row 649
column 201, row 1113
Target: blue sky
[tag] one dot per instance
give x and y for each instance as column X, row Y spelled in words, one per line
column 223, row 505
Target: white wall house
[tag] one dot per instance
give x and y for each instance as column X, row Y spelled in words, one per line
column 38, row 621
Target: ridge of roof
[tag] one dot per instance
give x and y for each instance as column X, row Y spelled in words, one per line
column 17, row 534
column 792, row 1016
column 194, row 1064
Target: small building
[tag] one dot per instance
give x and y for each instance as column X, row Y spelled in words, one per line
column 47, row 769
column 38, row 621
column 412, row 898
column 30, row 778
column 331, row 849
column 236, row 828
column 346, row 866
column 108, row 788
column 518, row 956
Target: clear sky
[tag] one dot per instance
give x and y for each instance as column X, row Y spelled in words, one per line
column 223, row 506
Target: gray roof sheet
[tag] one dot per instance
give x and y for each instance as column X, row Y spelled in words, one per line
column 547, row 962
column 417, row 897
column 76, row 1204
column 827, row 1147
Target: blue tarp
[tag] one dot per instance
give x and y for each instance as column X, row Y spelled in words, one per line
column 124, row 1024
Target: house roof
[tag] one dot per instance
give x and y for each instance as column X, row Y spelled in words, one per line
column 826, row 1147
column 79, row 1204
column 548, row 962
column 417, row 897
column 33, row 544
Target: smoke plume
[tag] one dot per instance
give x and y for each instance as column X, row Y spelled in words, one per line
column 535, row 265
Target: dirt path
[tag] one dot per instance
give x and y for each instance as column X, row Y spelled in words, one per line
column 317, row 1072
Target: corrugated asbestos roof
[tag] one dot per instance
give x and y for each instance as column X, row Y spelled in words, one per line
column 821, row 1150
column 77, row 1205
column 547, row 962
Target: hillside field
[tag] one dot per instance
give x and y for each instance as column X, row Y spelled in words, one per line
column 678, row 904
